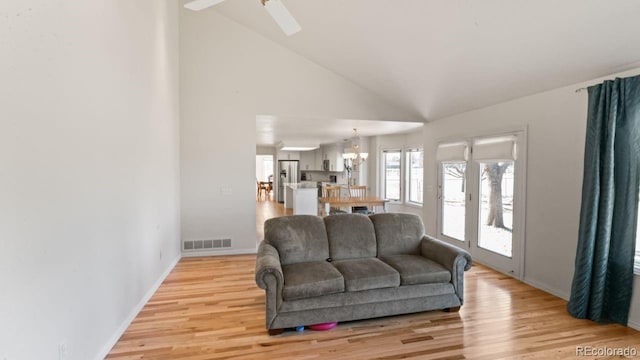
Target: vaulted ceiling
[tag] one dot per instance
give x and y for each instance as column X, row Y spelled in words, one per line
column 442, row 57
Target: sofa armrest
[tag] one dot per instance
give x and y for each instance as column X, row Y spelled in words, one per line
column 454, row 259
column 268, row 262
column 269, row 276
column 445, row 254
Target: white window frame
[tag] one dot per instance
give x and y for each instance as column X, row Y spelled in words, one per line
column 517, row 270
column 441, row 194
column 383, row 174
column 407, row 182
column 404, row 177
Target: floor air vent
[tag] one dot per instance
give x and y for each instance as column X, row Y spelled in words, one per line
column 202, row 245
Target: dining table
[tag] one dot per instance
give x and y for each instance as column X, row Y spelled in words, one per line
column 349, row 202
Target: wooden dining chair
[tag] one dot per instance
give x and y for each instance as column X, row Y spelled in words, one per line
column 259, row 190
column 330, row 191
column 359, row 191
column 263, row 188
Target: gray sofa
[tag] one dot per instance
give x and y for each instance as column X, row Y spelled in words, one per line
column 350, row 266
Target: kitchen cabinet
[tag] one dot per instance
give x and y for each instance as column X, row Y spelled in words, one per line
column 288, row 155
column 307, row 160
column 315, row 159
column 334, row 155
column 302, row 198
column 319, row 156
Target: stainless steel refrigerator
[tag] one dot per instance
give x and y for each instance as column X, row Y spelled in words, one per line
column 289, row 172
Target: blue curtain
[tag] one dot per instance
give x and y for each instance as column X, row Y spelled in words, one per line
column 603, row 278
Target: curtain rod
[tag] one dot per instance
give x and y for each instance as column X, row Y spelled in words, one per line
column 581, row 89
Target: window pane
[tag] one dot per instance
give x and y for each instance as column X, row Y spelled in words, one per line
column 414, row 176
column 392, row 174
column 453, row 199
column 267, row 168
column 496, row 210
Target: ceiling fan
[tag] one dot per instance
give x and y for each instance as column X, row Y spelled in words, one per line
column 275, row 8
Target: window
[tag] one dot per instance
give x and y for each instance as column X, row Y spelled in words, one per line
column 453, row 189
column 402, row 174
column 495, row 232
column 391, row 174
column 264, row 167
column 414, row 175
column 481, row 197
column 453, row 199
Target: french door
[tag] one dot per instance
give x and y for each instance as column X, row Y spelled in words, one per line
column 481, row 198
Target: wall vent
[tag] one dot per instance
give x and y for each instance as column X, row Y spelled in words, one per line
column 205, row 245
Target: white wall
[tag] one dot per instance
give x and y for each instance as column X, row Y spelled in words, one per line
column 229, row 75
column 556, row 122
column 89, row 169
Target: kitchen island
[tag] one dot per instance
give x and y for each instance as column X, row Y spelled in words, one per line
column 302, row 198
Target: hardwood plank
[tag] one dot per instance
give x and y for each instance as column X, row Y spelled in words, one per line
column 266, row 210
column 210, row 308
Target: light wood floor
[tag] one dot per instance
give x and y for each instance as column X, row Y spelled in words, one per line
column 267, row 209
column 210, row 308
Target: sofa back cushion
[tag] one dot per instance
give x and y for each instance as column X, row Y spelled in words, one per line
column 351, row 236
column 398, row 234
column 298, row 238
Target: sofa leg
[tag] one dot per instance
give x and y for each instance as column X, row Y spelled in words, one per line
column 452, row 309
column 273, row 332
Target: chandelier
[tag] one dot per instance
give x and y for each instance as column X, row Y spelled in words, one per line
column 354, row 157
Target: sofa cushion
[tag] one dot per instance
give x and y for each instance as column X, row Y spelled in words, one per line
column 298, row 238
column 365, row 274
column 305, row 280
column 351, row 236
column 415, row 269
column 398, row 233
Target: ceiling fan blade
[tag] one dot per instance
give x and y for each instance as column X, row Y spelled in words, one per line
column 282, row 16
column 198, row 5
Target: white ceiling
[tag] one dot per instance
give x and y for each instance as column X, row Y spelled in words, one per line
column 442, row 57
column 313, row 132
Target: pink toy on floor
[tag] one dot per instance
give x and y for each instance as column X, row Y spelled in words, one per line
column 321, row 327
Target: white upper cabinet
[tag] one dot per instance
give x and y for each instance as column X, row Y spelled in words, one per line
column 333, row 153
column 307, row 160
column 319, row 156
column 288, row 155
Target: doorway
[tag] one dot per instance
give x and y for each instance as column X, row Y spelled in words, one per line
column 264, row 177
column 481, row 182
column 266, row 206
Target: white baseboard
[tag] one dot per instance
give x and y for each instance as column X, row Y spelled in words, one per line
column 132, row 315
column 561, row 294
column 219, row 252
column 555, row 292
